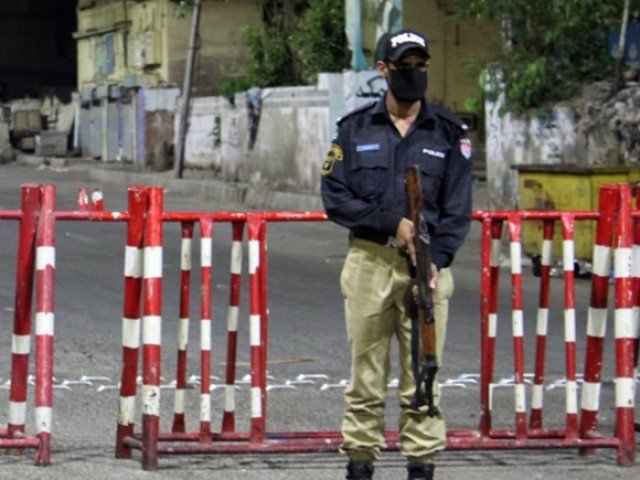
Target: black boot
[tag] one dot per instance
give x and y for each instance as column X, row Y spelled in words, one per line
column 420, row 471
column 359, row 470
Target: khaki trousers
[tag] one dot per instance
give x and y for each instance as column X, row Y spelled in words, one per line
column 373, row 281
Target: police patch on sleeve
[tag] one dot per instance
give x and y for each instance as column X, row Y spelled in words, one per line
column 465, row 147
column 335, row 154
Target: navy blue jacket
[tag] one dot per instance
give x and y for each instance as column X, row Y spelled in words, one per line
column 363, row 177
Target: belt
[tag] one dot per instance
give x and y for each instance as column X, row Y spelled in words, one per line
column 380, row 239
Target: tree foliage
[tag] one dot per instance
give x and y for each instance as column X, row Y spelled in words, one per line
column 550, row 47
column 296, row 40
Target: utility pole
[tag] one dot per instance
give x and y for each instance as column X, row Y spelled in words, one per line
column 186, row 90
column 618, row 81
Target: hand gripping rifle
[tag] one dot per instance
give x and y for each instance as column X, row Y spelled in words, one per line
column 418, row 301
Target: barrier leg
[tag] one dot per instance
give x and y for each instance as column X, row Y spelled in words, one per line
column 537, row 397
column 257, row 433
column 264, row 315
column 183, row 327
column 229, row 416
column 131, row 318
column 570, row 325
column 21, row 341
column 490, row 277
column 518, row 327
column 45, row 274
column 206, row 227
column 152, row 330
column 625, row 334
column 597, row 316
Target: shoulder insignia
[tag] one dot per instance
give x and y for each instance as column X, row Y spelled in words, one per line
column 465, row 147
column 335, row 154
column 449, row 116
column 359, row 109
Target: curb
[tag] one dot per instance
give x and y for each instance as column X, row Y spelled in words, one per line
column 213, row 189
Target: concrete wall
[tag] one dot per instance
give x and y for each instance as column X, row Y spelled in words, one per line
column 525, row 140
column 292, row 138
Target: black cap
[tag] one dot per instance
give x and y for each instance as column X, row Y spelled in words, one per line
column 398, row 43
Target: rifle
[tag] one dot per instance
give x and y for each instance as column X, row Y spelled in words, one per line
column 418, row 301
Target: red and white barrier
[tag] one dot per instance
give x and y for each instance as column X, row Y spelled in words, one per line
column 183, row 326
column 45, row 274
column 206, row 228
column 597, row 317
column 229, row 416
column 133, row 264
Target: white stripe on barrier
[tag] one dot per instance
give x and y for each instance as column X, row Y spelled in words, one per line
column 572, row 397
column 518, row 327
column 496, row 252
column 636, row 321
column 590, row 396
column 491, row 388
column 232, row 319
column 635, row 262
column 130, row 332
column 568, row 257
column 150, row 400
column 597, row 322
column 152, row 262
column 178, row 401
column 236, row 257
column 20, row 344
column 132, row 262
column 205, row 407
column 537, row 396
column 623, row 323
column 183, row 333
column 127, row 412
column 229, row 398
column 254, row 330
column 152, row 330
column 569, row 325
column 185, row 254
column 254, row 256
column 601, row 261
column 256, row 402
column 205, row 252
column 622, row 262
column 17, row 413
column 516, row 258
column 45, row 323
column 493, row 325
column 547, row 253
column 44, row 416
column 624, row 392
column 205, row 334
column 45, row 256
column 542, row 321
column 520, row 397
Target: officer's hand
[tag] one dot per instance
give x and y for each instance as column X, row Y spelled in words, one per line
column 434, row 277
column 404, row 238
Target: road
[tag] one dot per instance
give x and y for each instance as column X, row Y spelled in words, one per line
column 306, row 337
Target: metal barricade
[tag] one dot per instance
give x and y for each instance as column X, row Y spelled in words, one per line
column 143, row 267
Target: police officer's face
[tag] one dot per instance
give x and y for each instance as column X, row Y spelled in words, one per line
column 407, row 76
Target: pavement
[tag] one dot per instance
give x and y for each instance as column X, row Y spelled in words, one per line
column 201, row 182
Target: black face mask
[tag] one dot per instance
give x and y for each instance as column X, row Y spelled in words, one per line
column 407, row 85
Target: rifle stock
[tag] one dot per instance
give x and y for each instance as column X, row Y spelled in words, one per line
column 419, row 300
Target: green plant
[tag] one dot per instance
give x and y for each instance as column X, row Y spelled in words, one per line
column 550, row 47
column 320, row 39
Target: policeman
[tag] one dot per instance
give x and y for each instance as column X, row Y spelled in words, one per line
column 364, row 190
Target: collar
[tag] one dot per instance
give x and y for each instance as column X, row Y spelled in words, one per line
column 426, row 115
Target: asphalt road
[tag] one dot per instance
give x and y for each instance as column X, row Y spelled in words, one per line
column 306, row 337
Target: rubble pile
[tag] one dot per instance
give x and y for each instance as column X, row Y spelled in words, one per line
column 609, row 126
